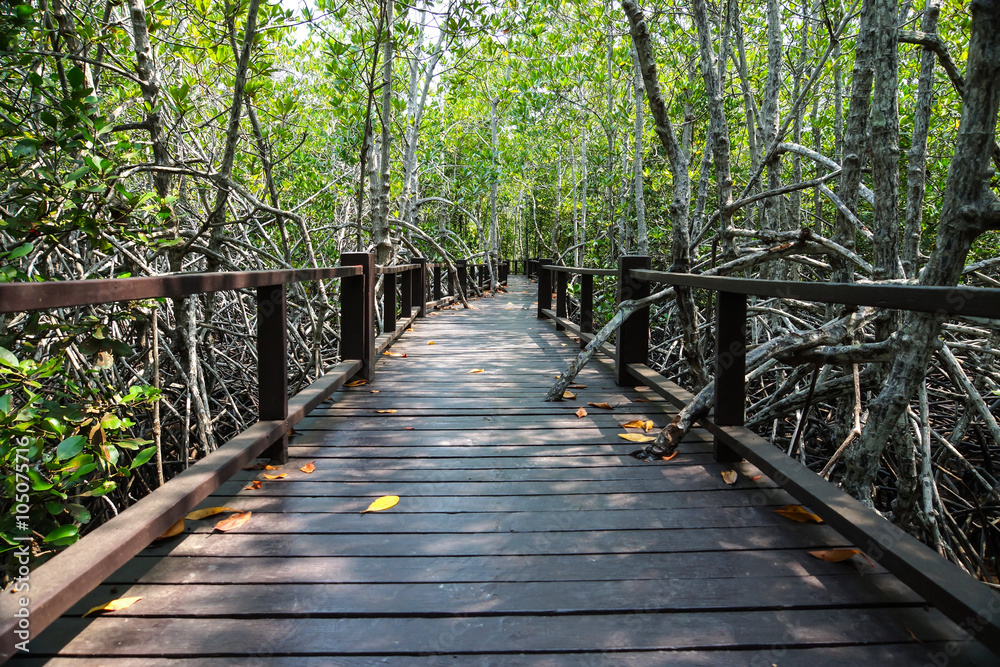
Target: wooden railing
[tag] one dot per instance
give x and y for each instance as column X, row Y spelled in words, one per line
column 970, row 603
column 57, row 584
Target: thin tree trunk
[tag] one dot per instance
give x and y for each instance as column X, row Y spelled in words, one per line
column 916, row 158
column 637, row 181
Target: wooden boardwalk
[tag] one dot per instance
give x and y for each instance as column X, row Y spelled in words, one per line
column 525, row 535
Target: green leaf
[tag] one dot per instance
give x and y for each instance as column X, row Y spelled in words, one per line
column 78, row 512
column 70, row 447
column 61, row 533
column 55, row 508
column 75, row 77
column 143, row 456
column 7, row 358
column 21, row 250
column 5, row 404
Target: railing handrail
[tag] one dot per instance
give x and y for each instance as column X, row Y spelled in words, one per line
column 20, row 297
column 959, row 300
column 395, row 268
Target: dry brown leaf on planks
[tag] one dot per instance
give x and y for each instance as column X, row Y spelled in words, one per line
column 581, row 413
column 603, row 406
column 256, row 484
column 729, row 476
column 640, row 400
column 279, row 476
column 385, row 412
column 233, row 521
column 383, row 503
column 356, row 383
column 839, row 555
column 568, row 395
column 374, row 391
column 308, row 468
column 578, row 386
column 636, row 437
column 176, row 529
column 114, row 605
column 208, row 511
column 798, row 513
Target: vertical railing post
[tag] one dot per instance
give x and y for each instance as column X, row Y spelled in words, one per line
column 586, row 307
column 462, row 267
column 406, row 292
column 632, row 346
column 437, row 283
column 544, row 288
column 389, row 303
column 420, row 286
column 730, row 367
column 561, row 309
column 272, row 362
column 357, row 320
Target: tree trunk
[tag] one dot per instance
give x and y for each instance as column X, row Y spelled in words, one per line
column 681, row 242
column 965, row 213
column 916, row 158
column 380, row 231
column 637, row 184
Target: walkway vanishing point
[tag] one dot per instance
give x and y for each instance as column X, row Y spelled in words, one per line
column 524, row 535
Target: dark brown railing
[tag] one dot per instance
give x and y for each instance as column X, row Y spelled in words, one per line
column 60, row 582
column 970, row 603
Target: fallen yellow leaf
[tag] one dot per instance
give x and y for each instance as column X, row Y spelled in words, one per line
column 476, row 370
column 569, row 395
column 356, row 383
column 253, row 485
column 604, row 406
column 234, row 521
column 393, row 354
column 275, row 476
column 385, row 412
column 798, row 513
column 114, row 605
column 208, row 511
column 430, row 342
column 581, row 413
column 270, row 467
column 667, row 458
column 637, row 423
column 729, row 477
column 383, row 503
column 373, row 391
column 636, row 437
column 175, row 529
column 308, row 468
column 838, row 555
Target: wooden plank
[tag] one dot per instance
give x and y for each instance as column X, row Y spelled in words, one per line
column 479, row 634
column 258, row 502
column 505, row 544
column 199, row 600
column 905, row 654
column 326, row 569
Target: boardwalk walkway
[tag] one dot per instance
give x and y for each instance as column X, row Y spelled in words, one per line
column 524, row 535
